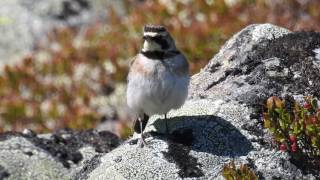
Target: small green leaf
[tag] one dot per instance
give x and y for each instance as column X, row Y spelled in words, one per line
column 310, row 128
column 267, row 123
column 279, row 110
column 314, row 103
column 296, row 128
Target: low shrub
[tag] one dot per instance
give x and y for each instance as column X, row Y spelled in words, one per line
column 295, row 127
column 56, row 90
column 231, row 172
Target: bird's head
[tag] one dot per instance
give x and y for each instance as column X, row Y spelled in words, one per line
column 157, row 38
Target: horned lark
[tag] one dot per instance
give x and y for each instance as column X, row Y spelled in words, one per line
column 158, row 78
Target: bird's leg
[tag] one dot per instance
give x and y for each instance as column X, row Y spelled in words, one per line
column 142, row 141
column 166, row 121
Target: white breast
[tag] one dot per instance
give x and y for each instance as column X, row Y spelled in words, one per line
column 158, row 92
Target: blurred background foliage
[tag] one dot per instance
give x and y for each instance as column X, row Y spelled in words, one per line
column 62, row 82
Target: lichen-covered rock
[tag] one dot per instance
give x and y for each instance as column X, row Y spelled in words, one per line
column 57, row 156
column 204, row 135
column 196, row 146
column 221, row 121
column 249, row 70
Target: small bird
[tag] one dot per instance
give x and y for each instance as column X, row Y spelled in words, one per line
column 158, row 79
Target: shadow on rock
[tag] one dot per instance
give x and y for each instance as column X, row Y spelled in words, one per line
column 206, row 133
column 180, row 155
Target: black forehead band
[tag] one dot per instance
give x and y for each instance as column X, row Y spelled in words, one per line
column 154, row 28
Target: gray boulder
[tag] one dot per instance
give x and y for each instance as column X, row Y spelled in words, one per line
column 221, row 120
column 52, row 156
column 25, row 23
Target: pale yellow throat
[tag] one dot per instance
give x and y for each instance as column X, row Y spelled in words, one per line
column 151, row 46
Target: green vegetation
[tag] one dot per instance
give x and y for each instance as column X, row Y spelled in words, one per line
column 231, row 172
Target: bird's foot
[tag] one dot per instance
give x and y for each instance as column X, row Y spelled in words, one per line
column 167, row 133
column 167, row 130
column 142, row 143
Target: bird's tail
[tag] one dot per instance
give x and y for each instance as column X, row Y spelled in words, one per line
column 136, row 125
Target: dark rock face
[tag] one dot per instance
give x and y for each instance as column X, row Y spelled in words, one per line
column 280, row 67
column 64, row 145
column 102, row 141
column 295, row 53
column 3, row 173
column 89, row 166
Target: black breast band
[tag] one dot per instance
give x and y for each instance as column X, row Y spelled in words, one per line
column 159, row 54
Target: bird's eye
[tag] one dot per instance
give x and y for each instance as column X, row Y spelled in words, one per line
column 148, row 37
column 157, row 38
